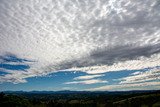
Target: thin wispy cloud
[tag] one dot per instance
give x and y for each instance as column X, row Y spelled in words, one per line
column 150, row 75
column 91, row 81
column 86, row 77
column 127, row 86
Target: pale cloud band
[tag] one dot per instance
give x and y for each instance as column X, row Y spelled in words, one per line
column 86, row 77
column 125, row 87
column 91, row 81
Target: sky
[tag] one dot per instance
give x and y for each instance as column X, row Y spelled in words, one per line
column 82, row 45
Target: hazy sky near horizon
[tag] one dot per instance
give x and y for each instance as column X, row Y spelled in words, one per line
column 79, row 45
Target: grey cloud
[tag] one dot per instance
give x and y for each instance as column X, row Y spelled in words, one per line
column 113, row 55
column 123, row 53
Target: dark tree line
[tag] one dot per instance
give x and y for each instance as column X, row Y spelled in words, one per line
column 81, row 100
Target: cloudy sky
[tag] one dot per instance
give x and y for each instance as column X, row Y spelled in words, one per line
column 91, row 45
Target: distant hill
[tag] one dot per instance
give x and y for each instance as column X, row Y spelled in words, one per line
column 66, row 98
column 69, row 91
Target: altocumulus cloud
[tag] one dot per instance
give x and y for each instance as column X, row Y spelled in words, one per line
column 93, row 36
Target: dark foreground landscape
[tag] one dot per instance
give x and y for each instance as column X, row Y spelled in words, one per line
column 80, row 99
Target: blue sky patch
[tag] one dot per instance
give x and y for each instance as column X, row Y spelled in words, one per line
column 14, row 67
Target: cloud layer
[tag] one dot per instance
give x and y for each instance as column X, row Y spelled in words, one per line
column 124, row 87
column 95, row 36
column 91, row 81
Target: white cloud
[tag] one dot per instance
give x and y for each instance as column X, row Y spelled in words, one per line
column 91, row 36
column 140, row 80
column 17, row 77
column 136, row 73
column 86, row 77
column 92, row 81
column 153, row 74
column 145, row 85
